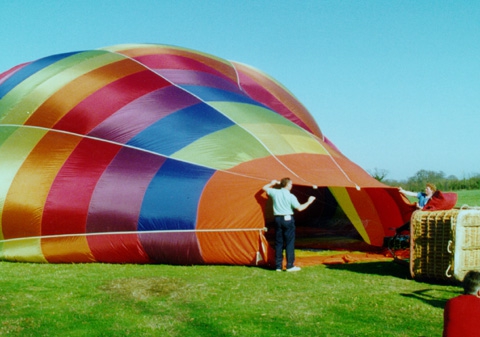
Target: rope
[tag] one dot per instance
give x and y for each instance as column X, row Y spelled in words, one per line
column 264, row 229
column 207, row 103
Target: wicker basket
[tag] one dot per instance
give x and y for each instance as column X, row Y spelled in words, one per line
column 444, row 245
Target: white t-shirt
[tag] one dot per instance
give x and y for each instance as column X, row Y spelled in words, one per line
column 284, row 202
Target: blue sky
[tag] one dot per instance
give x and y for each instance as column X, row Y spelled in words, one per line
column 394, row 84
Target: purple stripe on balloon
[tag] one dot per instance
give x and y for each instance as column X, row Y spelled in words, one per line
column 143, row 112
column 118, row 196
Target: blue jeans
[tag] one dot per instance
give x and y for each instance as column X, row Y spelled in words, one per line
column 284, row 237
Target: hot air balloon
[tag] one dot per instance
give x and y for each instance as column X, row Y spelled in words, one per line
column 147, row 153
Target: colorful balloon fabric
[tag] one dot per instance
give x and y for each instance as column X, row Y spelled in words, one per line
column 157, row 154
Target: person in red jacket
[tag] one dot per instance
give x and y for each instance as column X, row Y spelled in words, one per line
column 461, row 316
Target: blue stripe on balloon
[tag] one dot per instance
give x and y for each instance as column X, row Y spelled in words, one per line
column 179, row 129
column 172, row 198
column 209, row 94
column 29, row 70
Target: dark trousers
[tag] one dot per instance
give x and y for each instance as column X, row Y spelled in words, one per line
column 284, row 237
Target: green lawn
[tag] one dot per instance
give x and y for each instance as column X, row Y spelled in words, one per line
column 368, row 299
column 363, row 299
column 468, row 197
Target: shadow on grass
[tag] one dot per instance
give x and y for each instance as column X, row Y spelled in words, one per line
column 432, row 296
column 376, row 268
column 428, row 296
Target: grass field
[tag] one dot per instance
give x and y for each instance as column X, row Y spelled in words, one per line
column 363, row 299
column 468, row 197
column 369, row 299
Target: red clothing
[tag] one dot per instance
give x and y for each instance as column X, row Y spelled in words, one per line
column 441, row 201
column 461, row 317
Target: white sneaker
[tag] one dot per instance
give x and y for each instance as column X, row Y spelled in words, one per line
column 279, row 270
column 294, row 269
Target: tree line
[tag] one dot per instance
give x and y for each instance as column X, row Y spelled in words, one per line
column 417, row 182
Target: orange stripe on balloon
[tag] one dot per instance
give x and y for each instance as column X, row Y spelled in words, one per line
column 241, row 209
column 320, row 170
column 67, row 250
column 23, row 210
column 66, row 208
column 120, row 93
column 65, row 99
column 263, row 169
column 357, row 174
column 238, row 248
column 302, row 168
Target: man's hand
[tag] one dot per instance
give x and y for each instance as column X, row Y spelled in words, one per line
column 270, row 184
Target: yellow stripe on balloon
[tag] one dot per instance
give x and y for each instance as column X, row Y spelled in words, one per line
column 279, row 135
column 223, row 149
column 28, row 192
column 297, row 139
column 343, row 199
column 28, row 95
column 23, row 250
column 13, row 153
column 18, row 105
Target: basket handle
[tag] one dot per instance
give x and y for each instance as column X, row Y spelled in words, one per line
column 448, row 270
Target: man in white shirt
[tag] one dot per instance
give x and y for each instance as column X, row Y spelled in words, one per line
column 284, row 202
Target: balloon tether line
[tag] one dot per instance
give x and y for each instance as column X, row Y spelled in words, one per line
column 56, row 236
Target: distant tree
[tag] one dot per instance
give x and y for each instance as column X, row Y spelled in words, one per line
column 378, row 174
column 418, row 181
column 473, row 182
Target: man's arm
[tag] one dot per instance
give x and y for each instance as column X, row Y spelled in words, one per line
column 270, row 185
column 304, row 206
column 411, row 194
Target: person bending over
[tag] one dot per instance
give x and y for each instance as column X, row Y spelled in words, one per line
column 423, row 197
column 461, row 316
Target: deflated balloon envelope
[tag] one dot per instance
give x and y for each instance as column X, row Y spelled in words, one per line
column 157, row 154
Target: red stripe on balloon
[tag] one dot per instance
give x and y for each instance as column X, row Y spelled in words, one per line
column 68, row 202
column 262, row 89
column 135, row 117
column 107, row 100
column 164, row 61
column 5, row 75
column 116, row 204
column 388, row 208
column 368, row 214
